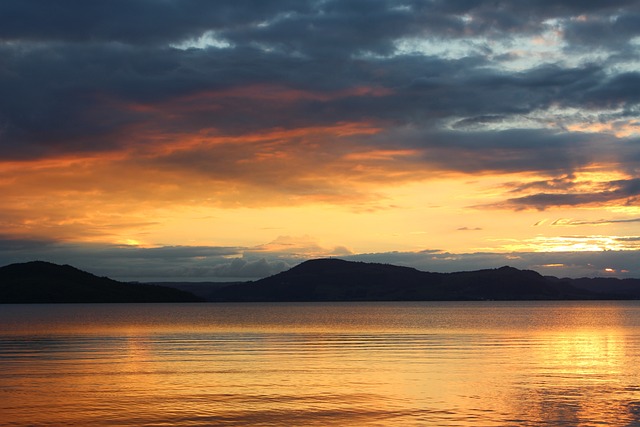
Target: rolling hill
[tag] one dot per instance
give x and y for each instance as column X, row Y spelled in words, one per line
column 339, row 280
column 44, row 282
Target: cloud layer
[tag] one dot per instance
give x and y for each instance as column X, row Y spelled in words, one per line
column 189, row 263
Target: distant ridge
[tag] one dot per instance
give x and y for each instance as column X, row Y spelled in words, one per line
column 44, row 282
column 315, row 280
column 339, row 280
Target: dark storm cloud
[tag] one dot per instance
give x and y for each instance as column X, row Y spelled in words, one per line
column 506, row 15
column 333, row 28
column 84, row 98
column 97, row 76
column 154, row 22
column 131, row 21
column 621, row 90
column 604, row 31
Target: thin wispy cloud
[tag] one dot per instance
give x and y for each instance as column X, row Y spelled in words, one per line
column 570, row 222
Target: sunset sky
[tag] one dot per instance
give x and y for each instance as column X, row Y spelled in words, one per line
column 225, row 140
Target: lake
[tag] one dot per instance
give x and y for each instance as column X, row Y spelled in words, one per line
column 321, row 364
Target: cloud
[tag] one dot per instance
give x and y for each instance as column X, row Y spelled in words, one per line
column 618, row 191
column 212, row 263
column 577, row 222
column 297, row 246
column 10, row 244
column 113, row 113
column 559, row 264
column 162, row 111
column 131, row 22
column 619, row 91
column 477, row 121
column 603, row 30
column 166, row 263
column 147, row 22
column 77, row 90
column 238, row 268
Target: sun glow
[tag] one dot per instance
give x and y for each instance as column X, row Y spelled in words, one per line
column 596, row 243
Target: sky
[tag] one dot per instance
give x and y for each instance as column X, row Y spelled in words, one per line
column 230, row 140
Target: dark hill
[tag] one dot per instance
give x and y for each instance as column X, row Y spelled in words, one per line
column 331, row 280
column 625, row 287
column 339, row 280
column 43, row 282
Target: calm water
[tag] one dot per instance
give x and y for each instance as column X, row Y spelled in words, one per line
column 367, row 364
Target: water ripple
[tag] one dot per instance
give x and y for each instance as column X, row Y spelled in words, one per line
column 208, row 370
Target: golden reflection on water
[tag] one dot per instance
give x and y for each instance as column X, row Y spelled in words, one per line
column 578, row 378
column 460, row 364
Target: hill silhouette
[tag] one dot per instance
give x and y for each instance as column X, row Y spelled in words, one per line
column 44, row 282
column 339, row 280
column 314, row 280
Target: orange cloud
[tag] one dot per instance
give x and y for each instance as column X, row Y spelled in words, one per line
column 283, row 94
column 380, row 154
column 274, row 94
column 111, row 196
column 149, row 142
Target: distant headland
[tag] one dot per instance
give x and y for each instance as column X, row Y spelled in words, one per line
column 314, row 280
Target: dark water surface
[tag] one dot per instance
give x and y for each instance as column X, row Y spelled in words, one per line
column 325, row 364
